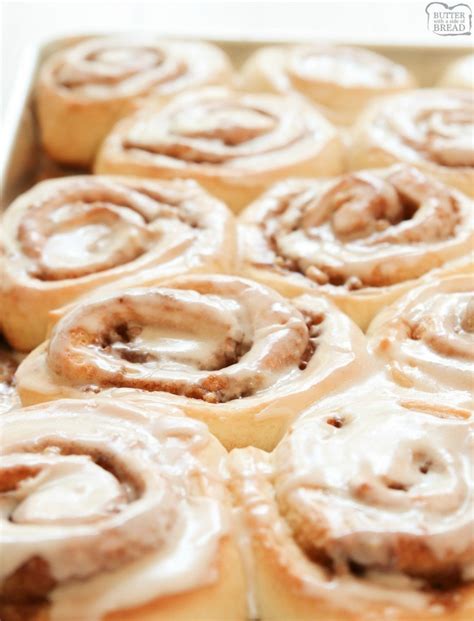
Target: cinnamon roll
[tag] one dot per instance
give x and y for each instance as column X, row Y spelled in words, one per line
column 86, row 88
column 460, row 73
column 432, row 129
column 426, row 339
column 229, row 351
column 340, row 81
column 362, row 239
column 364, row 510
column 68, row 236
column 9, row 361
column 234, row 144
column 114, row 510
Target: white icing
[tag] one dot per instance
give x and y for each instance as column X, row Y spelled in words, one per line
column 218, row 338
column 329, row 486
column 173, row 570
column 388, row 444
column 244, row 542
column 157, row 531
column 427, row 337
column 66, row 489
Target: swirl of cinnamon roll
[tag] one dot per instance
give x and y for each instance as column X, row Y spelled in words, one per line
column 228, row 351
column 234, row 144
column 68, row 236
column 364, row 508
column 432, row 129
column 98, row 501
column 427, row 337
column 92, row 84
column 362, row 238
column 340, row 81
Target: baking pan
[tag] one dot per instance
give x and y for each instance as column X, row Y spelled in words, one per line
column 23, row 163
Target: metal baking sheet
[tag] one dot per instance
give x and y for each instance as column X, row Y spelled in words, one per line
column 23, row 163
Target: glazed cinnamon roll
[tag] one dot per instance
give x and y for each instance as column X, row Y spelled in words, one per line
column 364, row 510
column 431, row 129
column 340, row 81
column 234, row 144
column 68, row 236
column 362, row 239
column 426, row 338
column 86, row 88
column 229, row 351
column 114, row 510
column 9, row 361
column 460, row 73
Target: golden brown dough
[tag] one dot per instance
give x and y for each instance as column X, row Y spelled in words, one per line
column 83, row 90
column 233, row 144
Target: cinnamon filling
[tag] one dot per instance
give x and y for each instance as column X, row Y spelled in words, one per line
column 434, row 579
column 440, row 583
column 29, row 584
column 8, row 366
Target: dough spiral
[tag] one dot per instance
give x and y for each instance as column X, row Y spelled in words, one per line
column 432, row 129
column 362, row 239
column 339, row 81
column 426, row 338
column 365, row 507
column 233, row 144
column 91, row 85
column 99, row 503
column 66, row 237
column 228, row 351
